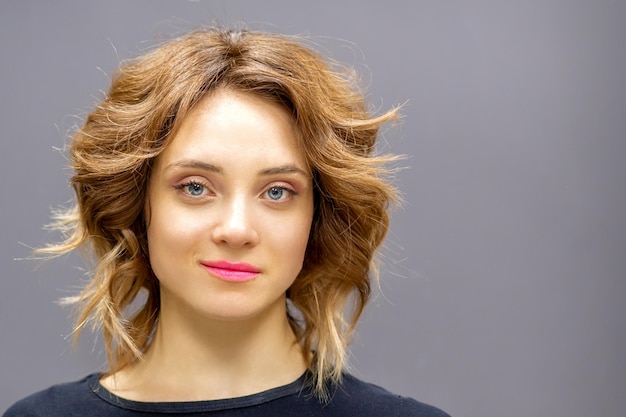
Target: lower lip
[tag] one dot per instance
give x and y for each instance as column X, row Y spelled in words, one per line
column 231, row 275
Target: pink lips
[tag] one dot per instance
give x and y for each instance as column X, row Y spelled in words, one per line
column 233, row 272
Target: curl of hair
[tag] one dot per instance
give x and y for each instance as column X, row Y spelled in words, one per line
column 112, row 155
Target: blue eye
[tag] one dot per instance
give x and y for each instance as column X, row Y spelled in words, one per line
column 275, row 193
column 195, row 189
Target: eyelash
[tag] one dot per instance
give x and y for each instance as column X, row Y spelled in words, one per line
column 184, row 185
column 191, row 183
column 289, row 191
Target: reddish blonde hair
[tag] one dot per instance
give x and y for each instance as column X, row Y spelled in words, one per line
column 112, row 155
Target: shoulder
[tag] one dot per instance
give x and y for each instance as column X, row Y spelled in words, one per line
column 68, row 399
column 354, row 397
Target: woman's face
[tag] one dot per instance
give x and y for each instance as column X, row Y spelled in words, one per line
column 229, row 208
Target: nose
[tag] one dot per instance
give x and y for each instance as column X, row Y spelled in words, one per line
column 235, row 226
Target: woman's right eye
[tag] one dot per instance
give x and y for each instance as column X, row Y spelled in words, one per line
column 195, row 189
column 192, row 188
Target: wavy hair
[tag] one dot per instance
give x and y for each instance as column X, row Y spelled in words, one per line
column 113, row 152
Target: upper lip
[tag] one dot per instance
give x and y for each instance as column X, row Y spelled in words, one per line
column 233, row 266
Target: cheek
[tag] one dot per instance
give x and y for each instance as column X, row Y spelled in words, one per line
column 171, row 230
column 171, row 243
column 295, row 238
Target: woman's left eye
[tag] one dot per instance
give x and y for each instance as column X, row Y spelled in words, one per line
column 278, row 193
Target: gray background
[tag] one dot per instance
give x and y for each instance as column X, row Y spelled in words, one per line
column 504, row 275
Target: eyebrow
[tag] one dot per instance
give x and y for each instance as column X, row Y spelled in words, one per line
column 192, row 163
column 205, row 166
column 284, row 169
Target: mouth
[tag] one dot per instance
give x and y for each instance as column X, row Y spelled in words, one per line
column 232, row 272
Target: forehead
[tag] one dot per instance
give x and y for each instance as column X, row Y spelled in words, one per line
column 237, row 126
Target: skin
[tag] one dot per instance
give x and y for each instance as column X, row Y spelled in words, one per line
column 233, row 185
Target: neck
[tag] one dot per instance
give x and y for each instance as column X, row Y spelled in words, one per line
column 197, row 359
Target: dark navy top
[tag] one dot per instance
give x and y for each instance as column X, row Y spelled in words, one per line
column 352, row 397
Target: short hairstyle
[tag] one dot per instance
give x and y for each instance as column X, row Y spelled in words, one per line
column 113, row 152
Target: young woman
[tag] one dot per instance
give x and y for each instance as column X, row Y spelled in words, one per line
column 227, row 182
